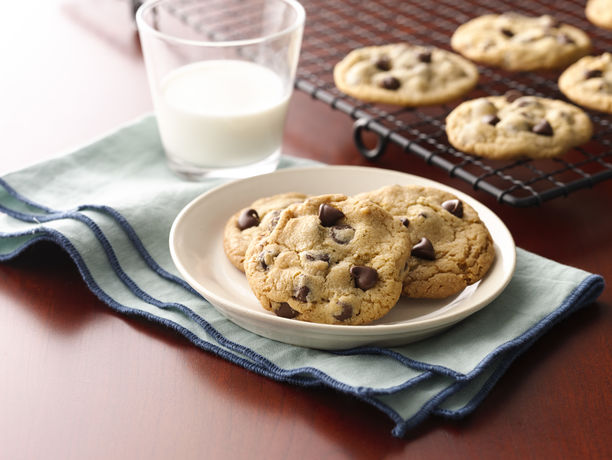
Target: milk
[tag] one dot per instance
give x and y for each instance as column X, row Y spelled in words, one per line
column 222, row 113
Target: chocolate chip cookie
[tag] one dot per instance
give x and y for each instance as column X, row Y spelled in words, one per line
column 452, row 248
column 588, row 82
column 405, row 74
column 517, row 42
column 599, row 12
column 331, row 259
column 261, row 215
column 513, row 126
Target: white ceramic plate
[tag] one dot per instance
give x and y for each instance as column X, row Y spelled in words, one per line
column 196, row 245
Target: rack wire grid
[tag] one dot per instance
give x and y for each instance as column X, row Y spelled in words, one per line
column 333, row 28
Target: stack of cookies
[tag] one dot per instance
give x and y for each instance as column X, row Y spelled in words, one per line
column 340, row 259
column 507, row 126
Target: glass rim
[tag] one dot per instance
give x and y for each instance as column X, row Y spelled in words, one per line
column 143, row 25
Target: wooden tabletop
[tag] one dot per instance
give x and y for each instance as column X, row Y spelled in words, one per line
column 80, row 381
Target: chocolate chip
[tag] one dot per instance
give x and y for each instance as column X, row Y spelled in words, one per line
column 490, row 119
column 328, row 215
column 512, row 95
column 383, row 63
column 302, row 294
column 424, row 56
column 342, row 234
column 593, row 73
column 455, row 207
column 423, row 250
column 284, row 310
column 543, row 128
column 267, row 257
column 248, row 218
column 365, row 277
column 312, row 257
column 275, row 217
column 262, row 262
column 507, row 32
column 423, row 215
column 346, row 313
column 391, row 83
column 405, row 221
column 261, row 259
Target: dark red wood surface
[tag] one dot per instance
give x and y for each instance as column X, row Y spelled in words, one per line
column 79, row 381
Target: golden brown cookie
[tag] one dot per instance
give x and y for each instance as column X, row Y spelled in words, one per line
column 331, row 259
column 514, row 126
column 452, row 247
column 517, row 42
column 588, row 82
column 599, row 12
column 405, row 74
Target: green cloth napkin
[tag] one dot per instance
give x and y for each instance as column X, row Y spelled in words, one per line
column 111, row 204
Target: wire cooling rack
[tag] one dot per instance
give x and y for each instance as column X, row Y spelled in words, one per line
column 333, row 28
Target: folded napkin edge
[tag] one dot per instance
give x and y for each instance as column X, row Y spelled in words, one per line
column 585, row 294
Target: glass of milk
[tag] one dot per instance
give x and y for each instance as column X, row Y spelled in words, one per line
column 221, row 74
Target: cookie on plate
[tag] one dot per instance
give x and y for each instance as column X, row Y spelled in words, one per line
column 514, row 126
column 241, row 228
column 517, row 42
column 588, row 82
column 599, row 12
column 405, row 74
column 452, row 247
column 331, row 259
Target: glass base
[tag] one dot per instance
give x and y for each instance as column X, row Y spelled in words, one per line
column 193, row 172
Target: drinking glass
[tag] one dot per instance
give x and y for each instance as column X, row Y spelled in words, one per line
column 221, row 73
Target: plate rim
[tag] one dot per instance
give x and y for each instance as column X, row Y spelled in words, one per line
column 341, row 330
